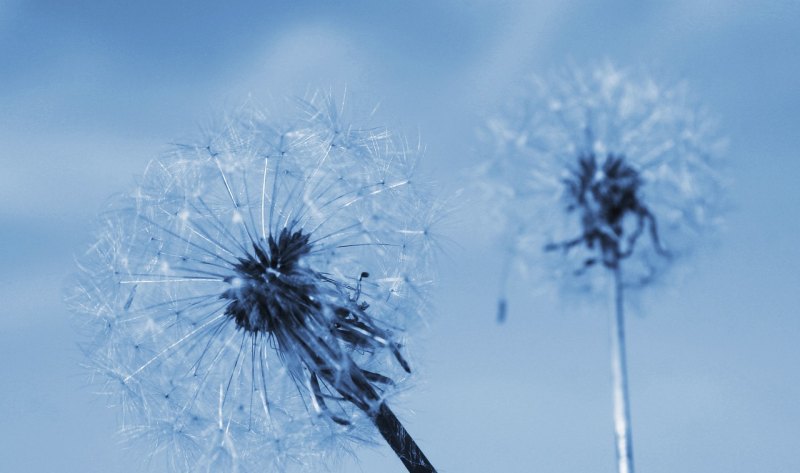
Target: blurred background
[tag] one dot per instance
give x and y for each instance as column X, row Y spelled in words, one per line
column 91, row 91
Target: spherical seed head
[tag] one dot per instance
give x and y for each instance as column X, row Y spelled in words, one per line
column 598, row 166
column 246, row 303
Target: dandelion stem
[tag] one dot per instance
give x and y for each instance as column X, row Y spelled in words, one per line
column 400, row 440
column 502, row 300
column 623, row 439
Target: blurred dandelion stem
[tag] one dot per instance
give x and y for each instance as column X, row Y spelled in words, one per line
column 623, row 438
column 401, row 442
column 502, row 298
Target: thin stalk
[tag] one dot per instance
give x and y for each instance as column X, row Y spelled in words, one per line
column 502, row 299
column 623, row 439
column 401, row 442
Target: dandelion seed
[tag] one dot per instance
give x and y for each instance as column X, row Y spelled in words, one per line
column 602, row 174
column 247, row 302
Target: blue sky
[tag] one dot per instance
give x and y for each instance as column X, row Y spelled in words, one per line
column 91, row 91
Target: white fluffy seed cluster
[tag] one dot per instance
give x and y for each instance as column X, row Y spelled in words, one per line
column 536, row 141
column 154, row 290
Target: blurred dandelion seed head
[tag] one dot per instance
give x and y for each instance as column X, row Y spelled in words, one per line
column 245, row 304
column 592, row 162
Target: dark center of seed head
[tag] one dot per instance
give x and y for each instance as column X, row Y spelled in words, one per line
column 270, row 286
column 604, row 194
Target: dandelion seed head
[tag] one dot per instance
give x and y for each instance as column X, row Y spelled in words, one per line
column 590, row 161
column 246, row 304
